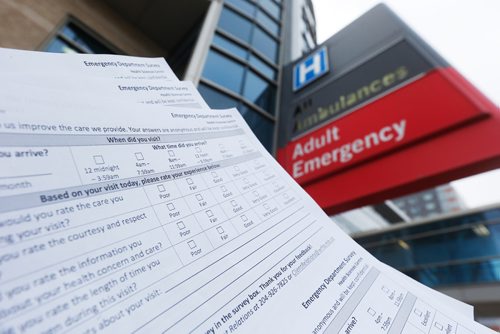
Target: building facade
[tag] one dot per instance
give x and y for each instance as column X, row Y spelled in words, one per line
column 241, row 65
column 457, row 253
column 432, row 202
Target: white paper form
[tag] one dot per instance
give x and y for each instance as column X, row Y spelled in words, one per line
column 183, row 223
column 91, row 66
column 453, row 304
column 81, row 78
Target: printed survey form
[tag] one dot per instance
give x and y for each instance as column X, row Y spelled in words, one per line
column 178, row 222
column 34, row 78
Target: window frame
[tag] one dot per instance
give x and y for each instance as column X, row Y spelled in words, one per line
column 70, row 19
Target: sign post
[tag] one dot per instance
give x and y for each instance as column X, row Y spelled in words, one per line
column 385, row 116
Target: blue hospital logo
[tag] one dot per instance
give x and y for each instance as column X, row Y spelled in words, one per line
column 310, row 69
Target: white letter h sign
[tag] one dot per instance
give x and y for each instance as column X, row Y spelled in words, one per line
column 310, row 69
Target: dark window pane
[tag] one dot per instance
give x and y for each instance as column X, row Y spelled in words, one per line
column 265, row 69
column 259, row 91
column 83, row 39
column 230, row 46
column 244, row 6
column 267, row 22
column 261, row 126
column 235, row 25
column 265, row 44
column 273, row 8
column 224, row 71
column 57, row 45
column 216, row 99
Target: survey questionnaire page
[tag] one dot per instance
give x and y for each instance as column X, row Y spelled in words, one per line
column 177, row 222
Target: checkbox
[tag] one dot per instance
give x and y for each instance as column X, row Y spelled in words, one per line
column 209, row 213
column 371, row 311
column 438, row 326
column 99, row 160
column 237, row 168
column 266, row 206
column 233, row 203
column 255, row 193
column 286, row 196
column 214, row 175
column 244, row 218
column 181, row 225
column 191, row 244
column 199, row 197
column 198, row 149
column 220, row 229
column 221, row 146
column 161, row 188
column 139, row 156
column 223, row 188
column 245, row 180
column 189, row 181
column 417, row 312
column 171, row 153
column 170, row 207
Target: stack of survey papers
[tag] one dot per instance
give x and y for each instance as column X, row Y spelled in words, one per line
column 128, row 205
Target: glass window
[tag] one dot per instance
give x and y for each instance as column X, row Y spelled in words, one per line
column 244, row 6
column 83, row 39
column 259, row 91
column 430, row 206
column 235, row 24
column 216, row 99
column 260, row 125
column 223, row 71
column 57, row 45
column 267, row 22
column 428, row 196
column 230, row 46
column 272, row 7
column 265, row 44
column 308, row 40
column 265, row 69
column 73, row 39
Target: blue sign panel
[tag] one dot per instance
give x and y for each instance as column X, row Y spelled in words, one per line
column 310, row 69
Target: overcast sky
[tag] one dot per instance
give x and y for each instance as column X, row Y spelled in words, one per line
column 465, row 32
